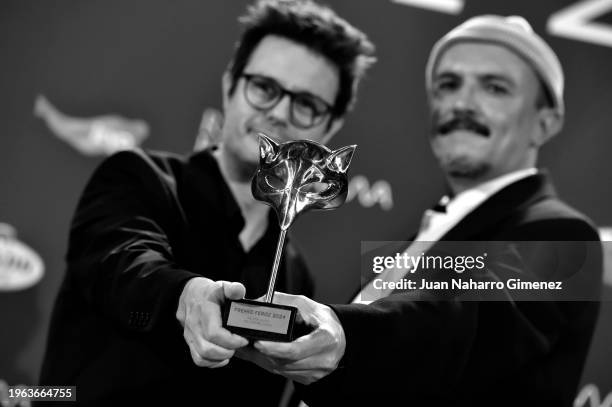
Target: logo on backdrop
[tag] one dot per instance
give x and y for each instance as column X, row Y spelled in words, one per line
column 101, row 135
column 369, row 195
column 589, row 396
column 20, row 266
column 579, row 21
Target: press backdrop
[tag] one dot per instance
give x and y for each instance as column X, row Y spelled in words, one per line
column 161, row 62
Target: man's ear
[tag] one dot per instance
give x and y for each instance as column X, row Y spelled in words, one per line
column 335, row 127
column 210, row 130
column 550, row 123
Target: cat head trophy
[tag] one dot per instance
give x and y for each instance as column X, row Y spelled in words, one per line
column 300, row 175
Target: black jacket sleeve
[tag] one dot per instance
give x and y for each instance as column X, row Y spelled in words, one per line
column 120, row 254
column 405, row 351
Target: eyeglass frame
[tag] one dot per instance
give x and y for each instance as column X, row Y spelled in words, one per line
column 327, row 114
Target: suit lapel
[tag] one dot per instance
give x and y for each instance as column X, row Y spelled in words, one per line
column 483, row 221
column 500, row 206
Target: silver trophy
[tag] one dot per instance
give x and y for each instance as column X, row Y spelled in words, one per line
column 292, row 177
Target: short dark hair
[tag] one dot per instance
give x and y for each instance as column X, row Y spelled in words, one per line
column 318, row 28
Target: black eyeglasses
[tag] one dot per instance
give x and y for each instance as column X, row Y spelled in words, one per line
column 306, row 110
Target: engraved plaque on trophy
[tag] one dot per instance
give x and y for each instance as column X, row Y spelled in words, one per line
column 292, row 178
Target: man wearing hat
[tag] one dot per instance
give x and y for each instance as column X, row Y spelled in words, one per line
column 495, row 90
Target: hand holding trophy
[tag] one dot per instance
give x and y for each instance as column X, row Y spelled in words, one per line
column 293, row 177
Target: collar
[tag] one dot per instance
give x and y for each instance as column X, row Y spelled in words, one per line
column 471, row 198
column 436, row 224
column 511, row 199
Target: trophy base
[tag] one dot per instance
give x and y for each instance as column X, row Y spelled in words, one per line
column 257, row 320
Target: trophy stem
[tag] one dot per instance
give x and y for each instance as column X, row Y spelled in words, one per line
column 277, row 257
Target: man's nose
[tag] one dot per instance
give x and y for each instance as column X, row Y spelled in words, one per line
column 279, row 114
column 465, row 99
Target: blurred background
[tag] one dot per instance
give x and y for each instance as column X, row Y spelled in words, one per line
column 80, row 79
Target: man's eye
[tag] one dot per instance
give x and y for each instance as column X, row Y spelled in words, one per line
column 445, row 86
column 306, row 105
column 265, row 88
column 496, row 89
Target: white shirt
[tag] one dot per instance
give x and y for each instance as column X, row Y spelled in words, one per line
column 434, row 225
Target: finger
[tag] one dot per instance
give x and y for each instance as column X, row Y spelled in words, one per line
column 225, row 339
column 219, row 364
column 319, row 363
column 204, row 362
column 233, row 290
column 213, row 352
column 279, row 350
column 205, row 349
column 212, row 331
column 304, row 371
column 298, row 349
column 286, row 299
column 302, row 347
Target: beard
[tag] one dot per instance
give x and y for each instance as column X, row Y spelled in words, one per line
column 462, row 167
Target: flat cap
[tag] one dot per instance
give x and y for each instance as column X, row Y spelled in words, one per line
column 515, row 33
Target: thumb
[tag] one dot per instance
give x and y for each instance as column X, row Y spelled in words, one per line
column 233, row 291
column 286, row 299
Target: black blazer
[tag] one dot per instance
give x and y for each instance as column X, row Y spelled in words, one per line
column 402, row 351
column 146, row 223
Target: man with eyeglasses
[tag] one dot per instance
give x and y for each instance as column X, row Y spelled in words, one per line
column 306, row 110
column 157, row 237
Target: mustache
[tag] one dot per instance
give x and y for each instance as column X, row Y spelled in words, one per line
column 462, row 122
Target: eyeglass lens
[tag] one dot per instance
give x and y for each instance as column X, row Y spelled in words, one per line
column 264, row 93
